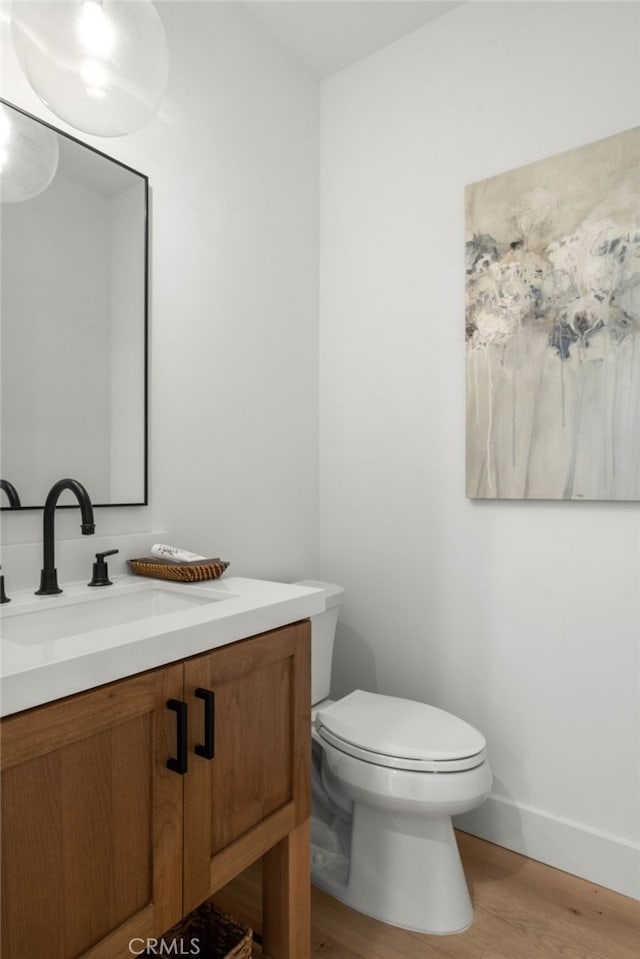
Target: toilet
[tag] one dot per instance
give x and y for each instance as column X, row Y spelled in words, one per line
column 388, row 775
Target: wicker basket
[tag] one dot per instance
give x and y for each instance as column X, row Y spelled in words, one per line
column 194, row 572
column 218, row 935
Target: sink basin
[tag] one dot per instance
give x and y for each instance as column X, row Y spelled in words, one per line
column 70, row 616
column 56, row 646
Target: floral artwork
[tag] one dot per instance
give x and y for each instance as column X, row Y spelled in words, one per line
column 553, row 327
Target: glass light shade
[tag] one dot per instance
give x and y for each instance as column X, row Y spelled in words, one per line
column 100, row 65
column 29, row 155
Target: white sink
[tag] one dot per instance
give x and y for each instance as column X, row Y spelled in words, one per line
column 64, row 616
column 55, row 646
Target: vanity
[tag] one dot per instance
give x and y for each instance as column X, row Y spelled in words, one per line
column 146, row 763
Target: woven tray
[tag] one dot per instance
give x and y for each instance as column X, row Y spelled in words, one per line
column 194, row 572
column 218, row 935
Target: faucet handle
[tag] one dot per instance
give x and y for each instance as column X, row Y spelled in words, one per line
column 109, row 552
column 3, row 596
column 101, row 570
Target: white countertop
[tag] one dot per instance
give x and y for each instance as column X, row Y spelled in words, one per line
column 34, row 670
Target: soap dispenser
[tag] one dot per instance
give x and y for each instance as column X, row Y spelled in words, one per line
column 101, row 570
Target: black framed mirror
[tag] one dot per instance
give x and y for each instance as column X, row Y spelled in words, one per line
column 73, row 324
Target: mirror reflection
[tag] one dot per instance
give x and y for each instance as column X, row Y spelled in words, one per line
column 73, row 320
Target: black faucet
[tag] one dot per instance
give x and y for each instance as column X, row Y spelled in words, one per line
column 49, row 576
column 12, row 494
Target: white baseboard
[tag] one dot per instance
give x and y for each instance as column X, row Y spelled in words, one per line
column 596, row 856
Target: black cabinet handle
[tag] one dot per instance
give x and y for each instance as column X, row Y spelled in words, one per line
column 179, row 764
column 208, row 750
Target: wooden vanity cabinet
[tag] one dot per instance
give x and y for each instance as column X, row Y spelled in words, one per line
column 103, row 844
column 91, row 821
column 256, row 787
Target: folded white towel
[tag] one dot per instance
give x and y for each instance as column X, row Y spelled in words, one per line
column 172, row 552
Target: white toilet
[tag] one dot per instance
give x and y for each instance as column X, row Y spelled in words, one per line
column 388, row 774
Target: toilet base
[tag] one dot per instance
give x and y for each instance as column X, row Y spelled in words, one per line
column 405, row 871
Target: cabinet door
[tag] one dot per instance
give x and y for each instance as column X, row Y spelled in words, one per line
column 256, row 787
column 91, row 821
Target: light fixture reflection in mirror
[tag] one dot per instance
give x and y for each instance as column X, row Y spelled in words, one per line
column 29, row 154
column 101, row 65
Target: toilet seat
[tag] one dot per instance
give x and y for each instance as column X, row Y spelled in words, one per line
column 400, row 734
column 396, row 762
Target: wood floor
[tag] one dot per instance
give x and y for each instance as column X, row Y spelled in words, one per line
column 523, row 910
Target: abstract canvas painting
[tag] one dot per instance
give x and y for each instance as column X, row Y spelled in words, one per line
column 553, row 327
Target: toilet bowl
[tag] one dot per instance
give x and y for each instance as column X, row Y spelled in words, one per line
column 388, row 774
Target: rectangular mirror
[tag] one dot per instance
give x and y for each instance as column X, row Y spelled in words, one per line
column 73, row 326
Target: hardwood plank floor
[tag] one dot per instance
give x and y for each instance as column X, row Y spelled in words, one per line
column 523, row 910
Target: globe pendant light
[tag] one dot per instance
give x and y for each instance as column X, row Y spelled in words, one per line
column 100, row 65
column 29, row 155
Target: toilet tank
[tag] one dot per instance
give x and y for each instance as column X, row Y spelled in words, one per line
column 323, row 634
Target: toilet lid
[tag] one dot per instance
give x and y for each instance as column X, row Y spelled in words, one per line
column 400, row 733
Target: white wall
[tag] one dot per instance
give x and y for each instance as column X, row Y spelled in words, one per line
column 234, row 467
column 521, row 617
column 232, row 161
